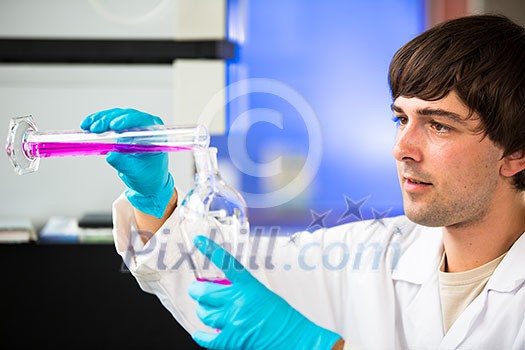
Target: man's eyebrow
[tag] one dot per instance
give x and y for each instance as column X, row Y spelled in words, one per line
column 433, row 111
column 395, row 108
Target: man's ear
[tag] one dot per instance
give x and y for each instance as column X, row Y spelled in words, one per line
column 513, row 163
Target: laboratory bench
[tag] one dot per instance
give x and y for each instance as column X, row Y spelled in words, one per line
column 79, row 296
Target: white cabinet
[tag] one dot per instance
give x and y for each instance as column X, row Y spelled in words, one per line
column 60, row 95
column 113, row 19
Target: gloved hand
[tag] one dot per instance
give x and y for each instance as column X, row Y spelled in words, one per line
column 149, row 184
column 248, row 315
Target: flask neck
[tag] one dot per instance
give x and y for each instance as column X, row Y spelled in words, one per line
column 206, row 162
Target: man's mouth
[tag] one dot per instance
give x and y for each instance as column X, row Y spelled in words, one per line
column 415, row 185
column 418, row 182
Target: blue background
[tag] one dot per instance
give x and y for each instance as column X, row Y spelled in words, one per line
column 336, row 55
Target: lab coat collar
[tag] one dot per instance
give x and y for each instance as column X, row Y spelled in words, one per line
column 510, row 273
column 421, row 255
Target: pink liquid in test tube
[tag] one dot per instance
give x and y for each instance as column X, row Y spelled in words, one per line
column 26, row 145
column 64, row 149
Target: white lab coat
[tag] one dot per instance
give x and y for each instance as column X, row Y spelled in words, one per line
column 373, row 282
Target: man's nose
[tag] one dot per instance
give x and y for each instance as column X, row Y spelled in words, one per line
column 408, row 143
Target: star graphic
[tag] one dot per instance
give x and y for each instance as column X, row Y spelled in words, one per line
column 353, row 208
column 318, row 219
column 378, row 216
column 293, row 237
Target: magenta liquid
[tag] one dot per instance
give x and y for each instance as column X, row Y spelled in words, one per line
column 218, row 281
column 64, row 149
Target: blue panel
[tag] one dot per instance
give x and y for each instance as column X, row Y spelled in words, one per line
column 335, row 56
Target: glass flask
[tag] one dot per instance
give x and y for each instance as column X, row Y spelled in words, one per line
column 214, row 209
column 26, row 144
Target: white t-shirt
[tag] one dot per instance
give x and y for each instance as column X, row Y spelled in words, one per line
column 459, row 289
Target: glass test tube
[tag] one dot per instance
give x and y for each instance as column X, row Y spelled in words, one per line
column 26, row 145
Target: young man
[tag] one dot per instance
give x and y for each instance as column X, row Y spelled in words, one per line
column 450, row 274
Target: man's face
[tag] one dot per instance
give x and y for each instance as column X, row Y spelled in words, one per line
column 449, row 173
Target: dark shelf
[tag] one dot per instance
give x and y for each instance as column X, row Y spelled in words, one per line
column 80, row 296
column 111, row 51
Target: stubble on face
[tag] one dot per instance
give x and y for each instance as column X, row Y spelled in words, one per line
column 460, row 196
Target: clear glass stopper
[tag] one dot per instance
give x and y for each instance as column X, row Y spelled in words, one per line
column 19, row 129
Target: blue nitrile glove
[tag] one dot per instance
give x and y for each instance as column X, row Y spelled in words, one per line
column 150, row 185
column 248, row 315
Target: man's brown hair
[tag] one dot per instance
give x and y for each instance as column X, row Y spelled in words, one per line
column 482, row 59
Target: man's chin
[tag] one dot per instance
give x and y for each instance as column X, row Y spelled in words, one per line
column 425, row 219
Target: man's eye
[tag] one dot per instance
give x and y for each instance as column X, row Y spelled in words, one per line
column 399, row 120
column 440, row 128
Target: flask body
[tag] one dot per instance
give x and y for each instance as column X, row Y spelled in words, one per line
column 214, row 209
